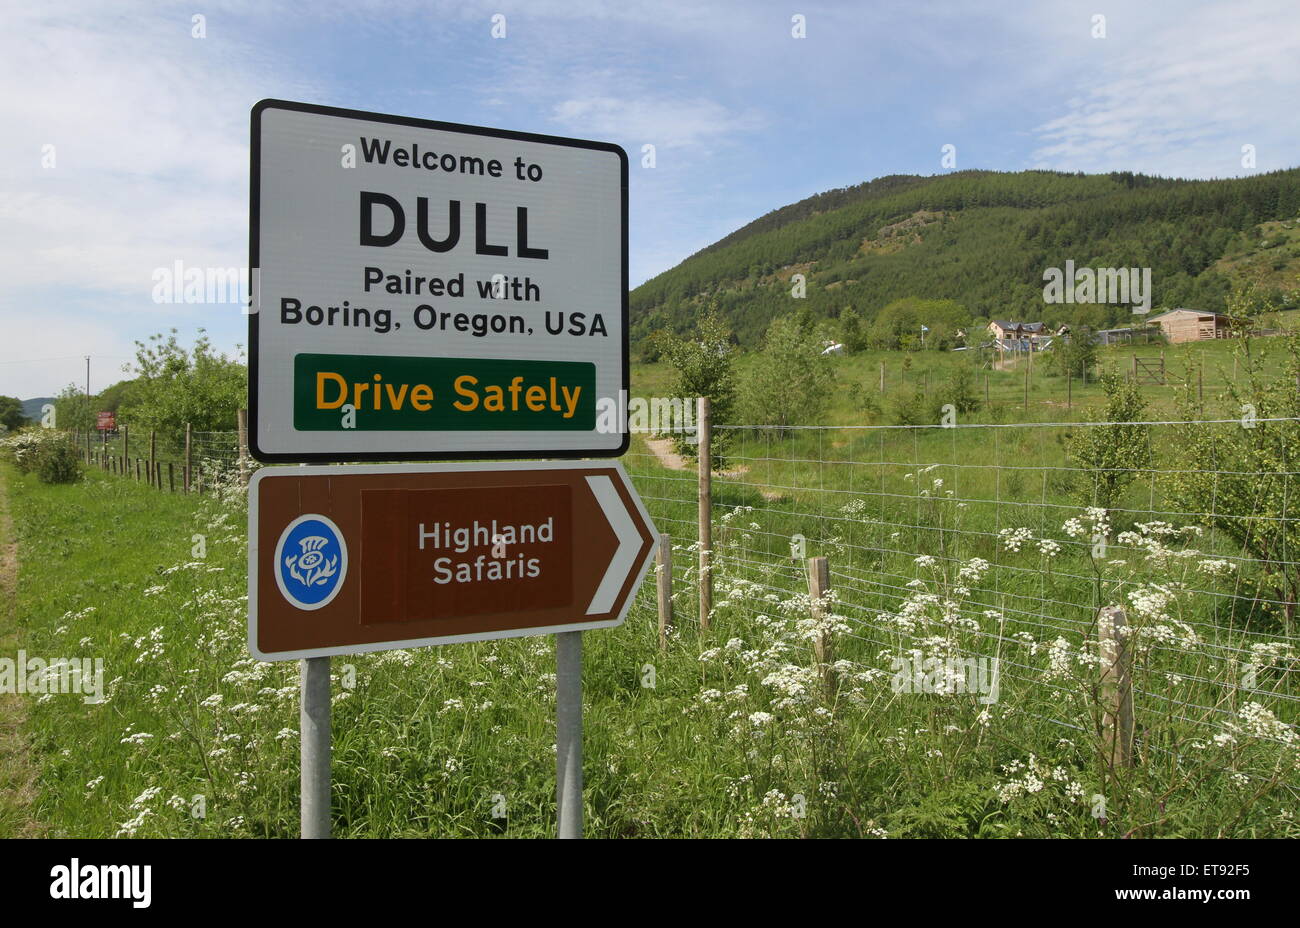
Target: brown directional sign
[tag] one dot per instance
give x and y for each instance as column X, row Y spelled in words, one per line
column 344, row 560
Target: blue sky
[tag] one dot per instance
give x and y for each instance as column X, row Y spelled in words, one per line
column 150, row 125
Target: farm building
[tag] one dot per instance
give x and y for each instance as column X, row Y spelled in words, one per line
column 1023, row 336
column 1190, row 325
column 1005, row 331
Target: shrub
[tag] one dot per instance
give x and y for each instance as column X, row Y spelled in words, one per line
column 1110, row 456
column 1076, row 356
column 59, row 462
column 959, row 390
column 910, row 407
column 49, row 454
column 703, row 361
column 791, row 382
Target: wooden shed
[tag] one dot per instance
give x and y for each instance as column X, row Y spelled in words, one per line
column 1191, row 325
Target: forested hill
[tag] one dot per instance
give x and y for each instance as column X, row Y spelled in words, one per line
column 984, row 239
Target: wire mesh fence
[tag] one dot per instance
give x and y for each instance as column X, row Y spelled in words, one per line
column 171, row 459
column 1004, row 542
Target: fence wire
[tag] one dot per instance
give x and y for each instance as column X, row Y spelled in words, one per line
column 1197, row 541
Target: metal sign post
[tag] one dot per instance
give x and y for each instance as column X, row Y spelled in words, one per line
column 568, row 734
column 314, row 726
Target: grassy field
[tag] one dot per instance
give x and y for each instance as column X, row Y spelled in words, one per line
column 17, row 772
column 729, row 732
column 945, row 545
column 1205, row 368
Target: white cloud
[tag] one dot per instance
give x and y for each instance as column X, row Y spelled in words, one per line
column 150, row 133
column 1181, row 90
column 665, row 123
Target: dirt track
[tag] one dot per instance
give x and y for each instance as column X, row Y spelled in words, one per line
column 17, row 775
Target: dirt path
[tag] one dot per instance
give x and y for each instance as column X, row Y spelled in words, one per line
column 663, row 450
column 17, row 775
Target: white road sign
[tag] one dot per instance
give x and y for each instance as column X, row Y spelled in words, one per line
column 427, row 290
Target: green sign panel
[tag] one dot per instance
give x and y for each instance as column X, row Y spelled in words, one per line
column 368, row 393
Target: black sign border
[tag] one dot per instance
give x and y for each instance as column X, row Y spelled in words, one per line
column 254, row 219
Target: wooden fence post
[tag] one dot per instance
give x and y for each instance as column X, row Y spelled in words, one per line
column 819, row 584
column 664, row 587
column 153, row 452
column 704, row 427
column 171, row 478
column 882, row 376
column 126, row 449
column 1116, row 689
column 137, row 470
column 185, row 473
column 157, row 474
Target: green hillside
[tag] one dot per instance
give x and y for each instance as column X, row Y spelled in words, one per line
column 983, row 239
column 32, row 407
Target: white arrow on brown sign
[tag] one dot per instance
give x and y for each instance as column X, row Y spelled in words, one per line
column 344, row 560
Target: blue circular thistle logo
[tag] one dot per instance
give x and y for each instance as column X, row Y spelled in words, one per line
column 311, row 560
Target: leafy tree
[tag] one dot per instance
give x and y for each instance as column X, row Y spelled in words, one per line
column 959, row 391
column 1074, row 355
column 112, row 398
column 704, row 362
column 11, row 414
column 894, row 327
column 898, row 325
column 72, row 409
column 175, row 386
column 1111, row 453
column 909, row 406
column 852, row 333
column 790, row 382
